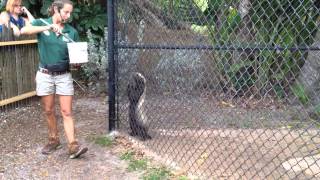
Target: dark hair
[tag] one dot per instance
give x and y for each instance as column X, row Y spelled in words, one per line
column 59, row 4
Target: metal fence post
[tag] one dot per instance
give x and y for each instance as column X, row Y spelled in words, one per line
column 111, row 65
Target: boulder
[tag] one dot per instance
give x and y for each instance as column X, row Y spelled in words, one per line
column 310, row 73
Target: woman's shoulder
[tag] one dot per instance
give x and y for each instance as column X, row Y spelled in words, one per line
column 4, row 17
column 4, row 13
column 41, row 21
column 71, row 28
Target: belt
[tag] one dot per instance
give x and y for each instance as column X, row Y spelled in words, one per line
column 46, row 71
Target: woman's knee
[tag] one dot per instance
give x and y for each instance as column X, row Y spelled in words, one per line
column 66, row 113
column 49, row 112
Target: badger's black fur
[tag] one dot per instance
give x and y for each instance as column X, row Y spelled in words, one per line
column 136, row 93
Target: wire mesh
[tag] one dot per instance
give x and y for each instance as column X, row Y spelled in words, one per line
column 225, row 89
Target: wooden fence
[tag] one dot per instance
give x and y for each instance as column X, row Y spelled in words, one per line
column 18, row 65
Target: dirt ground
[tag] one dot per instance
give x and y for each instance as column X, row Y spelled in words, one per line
column 23, row 133
column 214, row 140
column 223, row 152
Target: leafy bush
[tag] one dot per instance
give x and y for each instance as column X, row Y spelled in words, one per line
column 299, row 91
column 95, row 71
column 2, row 5
column 85, row 16
column 91, row 17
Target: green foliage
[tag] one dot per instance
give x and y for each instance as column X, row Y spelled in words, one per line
column 129, row 155
column 96, row 69
column 103, row 141
column 230, row 24
column 284, row 24
column 150, row 173
column 137, row 164
column 84, row 17
column 317, row 110
column 134, row 164
column 38, row 8
column 274, row 23
column 2, row 5
column 223, row 35
column 183, row 178
column 91, row 17
column 156, row 174
column 240, row 76
column 299, row 91
column 279, row 90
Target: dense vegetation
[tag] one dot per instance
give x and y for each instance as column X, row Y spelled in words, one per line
column 277, row 34
column 87, row 15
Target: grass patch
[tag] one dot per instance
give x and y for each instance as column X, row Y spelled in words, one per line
column 183, row 178
column 103, row 141
column 156, row 174
column 150, row 173
column 128, row 156
column 134, row 164
column 137, row 164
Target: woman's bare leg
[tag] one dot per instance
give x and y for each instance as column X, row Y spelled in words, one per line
column 48, row 106
column 75, row 150
column 68, row 122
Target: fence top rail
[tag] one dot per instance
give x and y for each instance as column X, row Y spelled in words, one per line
column 10, row 43
column 218, row 47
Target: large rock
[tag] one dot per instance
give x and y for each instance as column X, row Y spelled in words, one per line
column 310, row 73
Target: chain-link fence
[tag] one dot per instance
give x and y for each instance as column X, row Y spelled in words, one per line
column 224, row 89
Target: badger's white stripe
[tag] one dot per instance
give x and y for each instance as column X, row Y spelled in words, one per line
column 140, row 108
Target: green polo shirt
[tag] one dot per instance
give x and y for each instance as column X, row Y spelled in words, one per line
column 53, row 48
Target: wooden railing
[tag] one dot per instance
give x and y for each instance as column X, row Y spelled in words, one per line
column 18, row 65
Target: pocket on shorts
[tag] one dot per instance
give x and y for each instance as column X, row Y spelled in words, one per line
column 64, row 84
column 44, row 84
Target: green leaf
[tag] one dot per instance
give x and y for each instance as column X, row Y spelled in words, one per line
column 32, row 1
column 299, row 91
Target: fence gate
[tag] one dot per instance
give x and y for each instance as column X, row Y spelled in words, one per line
column 232, row 86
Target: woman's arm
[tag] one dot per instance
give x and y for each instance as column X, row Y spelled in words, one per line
column 29, row 29
column 16, row 31
column 4, row 18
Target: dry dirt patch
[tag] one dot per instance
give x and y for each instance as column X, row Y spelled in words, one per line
column 23, row 132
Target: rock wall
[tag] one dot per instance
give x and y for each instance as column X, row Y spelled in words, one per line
column 310, row 73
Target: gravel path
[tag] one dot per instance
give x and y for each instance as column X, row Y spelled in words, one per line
column 23, row 133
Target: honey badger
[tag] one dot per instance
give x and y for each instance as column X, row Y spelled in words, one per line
column 136, row 93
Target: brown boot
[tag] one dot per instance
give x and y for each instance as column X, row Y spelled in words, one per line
column 75, row 150
column 52, row 145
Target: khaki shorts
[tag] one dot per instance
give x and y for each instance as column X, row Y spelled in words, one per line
column 54, row 84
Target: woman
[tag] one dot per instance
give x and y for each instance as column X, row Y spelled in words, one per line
column 12, row 16
column 53, row 76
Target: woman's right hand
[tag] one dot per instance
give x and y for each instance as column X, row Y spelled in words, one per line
column 24, row 9
column 55, row 28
